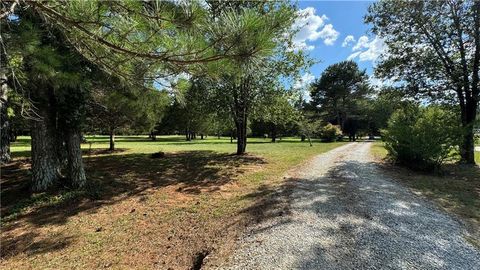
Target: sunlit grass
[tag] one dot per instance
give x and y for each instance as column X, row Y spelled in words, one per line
column 378, row 150
column 198, row 184
column 279, row 157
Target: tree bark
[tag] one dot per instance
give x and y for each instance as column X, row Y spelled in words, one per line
column 4, row 134
column 469, row 108
column 467, row 149
column 4, row 123
column 45, row 162
column 112, row 140
column 60, row 145
column 241, row 125
column 47, row 141
column 76, row 171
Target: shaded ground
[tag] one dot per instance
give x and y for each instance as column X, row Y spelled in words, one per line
column 131, row 198
column 344, row 212
column 174, row 212
column 455, row 188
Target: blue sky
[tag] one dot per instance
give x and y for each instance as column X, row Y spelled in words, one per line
column 324, row 29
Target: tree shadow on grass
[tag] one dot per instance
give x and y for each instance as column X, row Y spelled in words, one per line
column 112, row 179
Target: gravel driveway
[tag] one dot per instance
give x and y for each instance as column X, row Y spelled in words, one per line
column 346, row 214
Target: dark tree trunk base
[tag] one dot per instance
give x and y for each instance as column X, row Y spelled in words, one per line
column 112, row 141
column 45, row 162
column 4, row 136
column 467, row 149
column 76, row 171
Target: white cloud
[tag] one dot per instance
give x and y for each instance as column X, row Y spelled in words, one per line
column 303, row 85
column 329, row 34
column 312, row 27
column 379, row 83
column 353, row 55
column 362, row 43
column 367, row 50
column 348, row 41
column 304, row 81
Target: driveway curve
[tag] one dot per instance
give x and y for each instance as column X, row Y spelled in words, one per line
column 345, row 213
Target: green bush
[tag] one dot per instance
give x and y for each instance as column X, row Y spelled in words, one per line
column 422, row 138
column 330, row 133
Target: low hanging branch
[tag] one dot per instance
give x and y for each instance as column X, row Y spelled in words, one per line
column 191, row 57
column 9, row 10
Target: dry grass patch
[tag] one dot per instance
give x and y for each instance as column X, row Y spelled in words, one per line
column 184, row 209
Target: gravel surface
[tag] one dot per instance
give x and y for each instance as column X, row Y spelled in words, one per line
column 346, row 214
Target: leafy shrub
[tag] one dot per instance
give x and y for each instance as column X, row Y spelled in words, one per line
column 330, row 133
column 422, row 138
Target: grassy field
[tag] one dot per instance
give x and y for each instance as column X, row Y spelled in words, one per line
column 139, row 212
column 456, row 189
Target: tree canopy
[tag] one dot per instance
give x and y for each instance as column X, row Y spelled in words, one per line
column 338, row 91
column 433, row 52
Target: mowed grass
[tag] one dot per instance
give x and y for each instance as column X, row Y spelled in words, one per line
column 378, row 150
column 456, row 189
column 139, row 212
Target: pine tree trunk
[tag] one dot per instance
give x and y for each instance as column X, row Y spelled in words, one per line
column 4, row 134
column 45, row 163
column 47, row 142
column 76, row 171
column 61, row 147
column 4, row 123
column 240, row 141
column 112, row 140
column 241, row 134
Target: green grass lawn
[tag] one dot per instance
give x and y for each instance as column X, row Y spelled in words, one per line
column 455, row 189
column 378, row 150
column 139, row 212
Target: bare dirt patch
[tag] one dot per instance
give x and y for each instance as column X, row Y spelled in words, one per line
column 137, row 212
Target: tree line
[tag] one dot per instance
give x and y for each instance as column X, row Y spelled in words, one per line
column 75, row 67
column 73, row 64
